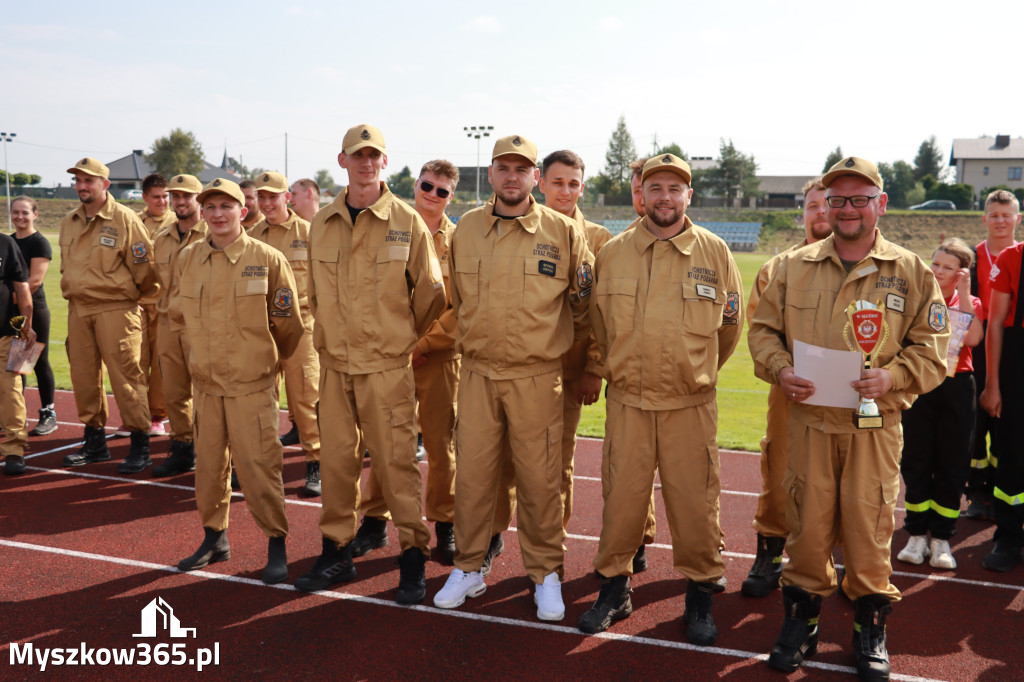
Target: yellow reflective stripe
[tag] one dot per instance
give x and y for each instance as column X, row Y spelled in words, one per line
column 979, row 463
column 919, row 507
column 1013, row 500
column 939, row 509
column 994, row 460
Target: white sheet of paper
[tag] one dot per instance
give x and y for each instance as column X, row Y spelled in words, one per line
column 831, row 371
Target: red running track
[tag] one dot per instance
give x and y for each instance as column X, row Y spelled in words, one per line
column 84, row 550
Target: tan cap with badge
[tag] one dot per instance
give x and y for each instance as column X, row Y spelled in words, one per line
column 222, row 186
column 670, row 163
column 91, row 167
column 272, row 182
column 853, row 165
column 515, row 144
column 185, row 183
column 362, row 136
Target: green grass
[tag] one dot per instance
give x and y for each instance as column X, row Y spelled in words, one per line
column 742, row 398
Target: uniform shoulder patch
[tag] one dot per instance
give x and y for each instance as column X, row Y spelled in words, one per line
column 937, row 317
column 585, row 276
column 283, row 298
column 730, row 314
column 139, row 251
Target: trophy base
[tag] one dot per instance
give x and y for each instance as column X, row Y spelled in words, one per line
column 864, row 421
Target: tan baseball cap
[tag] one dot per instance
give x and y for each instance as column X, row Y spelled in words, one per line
column 667, row 162
column 363, row 135
column 853, row 165
column 515, row 144
column 91, row 167
column 272, row 182
column 222, row 186
column 185, row 183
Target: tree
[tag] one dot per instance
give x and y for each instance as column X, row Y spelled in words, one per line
column 898, row 182
column 734, row 176
column 834, row 157
column 20, row 179
column 402, row 183
column 621, row 152
column 239, row 169
column 928, row 160
column 960, row 194
column 324, row 179
column 179, row 152
column 673, row 148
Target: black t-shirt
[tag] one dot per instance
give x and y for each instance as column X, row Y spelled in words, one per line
column 35, row 246
column 12, row 269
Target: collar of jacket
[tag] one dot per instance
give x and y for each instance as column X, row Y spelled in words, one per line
column 530, row 220
column 233, row 251
column 105, row 213
column 826, row 250
column 643, row 237
column 380, row 208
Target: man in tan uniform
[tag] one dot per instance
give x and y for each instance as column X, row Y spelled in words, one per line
column 236, row 299
column 843, row 481
column 305, row 198
column 282, row 229
column 14, row 273
column 435, row 367
column 106, row 269
column 666, row 315
column 521, row 276
column 770, row 517
column 252, row 206
column 374, row 288
column 172, row 347
column 155, row 194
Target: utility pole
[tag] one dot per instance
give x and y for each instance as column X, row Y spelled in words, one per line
column 478, row 132
column 9, row 137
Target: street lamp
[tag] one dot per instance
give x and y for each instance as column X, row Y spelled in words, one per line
column 7, row 137
column 478, row 132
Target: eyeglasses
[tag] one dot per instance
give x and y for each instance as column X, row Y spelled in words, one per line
column 429, row 187
column 859, row 201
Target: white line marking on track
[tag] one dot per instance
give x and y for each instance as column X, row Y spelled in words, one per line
column 478, row 617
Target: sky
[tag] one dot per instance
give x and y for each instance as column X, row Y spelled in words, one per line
column 786, row 81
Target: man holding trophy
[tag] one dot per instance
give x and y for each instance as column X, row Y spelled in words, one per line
column 852, row 291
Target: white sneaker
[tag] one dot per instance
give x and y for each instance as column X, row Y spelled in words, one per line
column 548, row 598
column 942, row 555
column 459, row 586
column 122, row 432
column 916, row 550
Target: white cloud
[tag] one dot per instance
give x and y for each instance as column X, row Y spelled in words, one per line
column 487, row 24
column 609, row 24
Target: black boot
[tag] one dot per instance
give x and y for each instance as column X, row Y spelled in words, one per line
column 494, row 550
column 372, row 534
column 445, row 533
column 700, row 626
column 93, row 450
column 869, row 637
column 215, row 548
column 276, row 570
column 182, row 459
column 312, row 487
column 613, row 603
column 291, row 438
column 799, row 637
column 640, row 560
column 412, row 581
column 767, row 569
column 332, row 567
column 138, row 456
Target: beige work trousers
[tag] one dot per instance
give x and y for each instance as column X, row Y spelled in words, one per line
column 528, row 412
column 114, row 339
column 12, row 406
column 681, row 446
column 842, row 486
column 173, row 352
column 770, row 517
column 244, row 430
column 301, row 382
column 149, row 361
column 378, row 409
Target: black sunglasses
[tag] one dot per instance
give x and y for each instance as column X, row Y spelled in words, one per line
column 429, row 187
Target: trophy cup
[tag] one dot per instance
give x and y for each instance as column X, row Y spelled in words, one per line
column 870, row 332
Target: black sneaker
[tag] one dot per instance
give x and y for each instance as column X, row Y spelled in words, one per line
column 312, row 487
column 47, row 423
column 332, row 567
column 94, row 449
column 412, row 583
column 613, row 603
column 372, row 534
column 445, row 533
column 495, row 549
column 292, row 437
column 700, row 626
column 181, row 460
column 14, row 465
column 1002, row 558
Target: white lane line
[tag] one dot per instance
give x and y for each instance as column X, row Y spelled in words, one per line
column 478, row 617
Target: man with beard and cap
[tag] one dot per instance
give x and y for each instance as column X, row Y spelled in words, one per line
column 252, row 206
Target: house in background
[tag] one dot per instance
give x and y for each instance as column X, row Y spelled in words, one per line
column 782, row 191
column 128, row 172
column 988, row 161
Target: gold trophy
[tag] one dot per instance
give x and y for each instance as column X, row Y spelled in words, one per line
column 870, row 332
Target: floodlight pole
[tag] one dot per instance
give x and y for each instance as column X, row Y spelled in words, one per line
column 478, row 132
column 7, row 137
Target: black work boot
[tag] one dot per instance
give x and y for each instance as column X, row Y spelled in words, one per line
column 290, row 438
column 14, row 465
column 312, row 487
column 93, row 450
column 181, row 460
column 332, row 567
column 276, row 570
column 138, row 456
column 799, row 637
column 767, row 569
column 445, row 533
column 215, row 548
column 700, row 626
column 613, row 603
column 412, row 581
column 640, row 560
column 372, row 534
column 494, row 550
column 869, row 637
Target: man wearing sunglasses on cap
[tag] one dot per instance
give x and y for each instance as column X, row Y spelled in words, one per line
column 842, row 464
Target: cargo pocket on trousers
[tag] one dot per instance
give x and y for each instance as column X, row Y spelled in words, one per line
column 889, row 491
column 268, row 422
column 402, row 434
